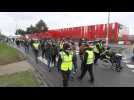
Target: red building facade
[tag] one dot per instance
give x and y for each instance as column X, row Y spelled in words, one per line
column 90, row 32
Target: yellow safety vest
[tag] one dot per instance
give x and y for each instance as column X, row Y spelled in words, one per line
column 36, row 45
column 90, row 58
column 67, row 63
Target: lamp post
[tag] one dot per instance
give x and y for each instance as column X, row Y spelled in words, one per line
column 107, row 30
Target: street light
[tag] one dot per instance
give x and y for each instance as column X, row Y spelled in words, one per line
column 107, row 30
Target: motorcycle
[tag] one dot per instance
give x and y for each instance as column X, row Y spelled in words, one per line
column 111, row 60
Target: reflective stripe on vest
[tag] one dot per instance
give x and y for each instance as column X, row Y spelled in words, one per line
column 67, row 63
column 36, row 45
column 90, row 58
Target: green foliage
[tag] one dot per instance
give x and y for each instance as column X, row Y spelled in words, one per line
column 41, row 26
column 9, row 55
column 20, row 32
column 31, row 30
column 20, row 79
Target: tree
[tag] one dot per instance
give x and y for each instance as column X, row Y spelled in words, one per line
column 31, row 30
column 41, row 26
column 20, row 32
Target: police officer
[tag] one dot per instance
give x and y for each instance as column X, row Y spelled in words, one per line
column 26, row 45
column 88, row 63
column 36, row 45
column 65, row 63
column 49, row 50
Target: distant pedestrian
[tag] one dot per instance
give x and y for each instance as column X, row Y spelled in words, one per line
column 54, row 54
column 26, row 46
column 49, row 55
column 43, row 48
column 36, row 45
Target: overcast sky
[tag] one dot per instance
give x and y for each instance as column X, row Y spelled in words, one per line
column 10, row 21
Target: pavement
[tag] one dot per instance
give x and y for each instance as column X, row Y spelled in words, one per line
column 15, row 67
column 104, row 77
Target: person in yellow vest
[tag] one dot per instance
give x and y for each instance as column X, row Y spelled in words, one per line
column 65, row 63
column 88, row 63
column 36, row 45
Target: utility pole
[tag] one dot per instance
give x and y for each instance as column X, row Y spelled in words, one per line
column 107, row 30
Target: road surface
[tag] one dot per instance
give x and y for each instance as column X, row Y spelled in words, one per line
column 104, row 77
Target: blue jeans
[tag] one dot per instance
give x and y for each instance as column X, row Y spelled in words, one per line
column 73, row 70
column 49, row 62
column 75, row 63
column 81, row 58
column 71, row 74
